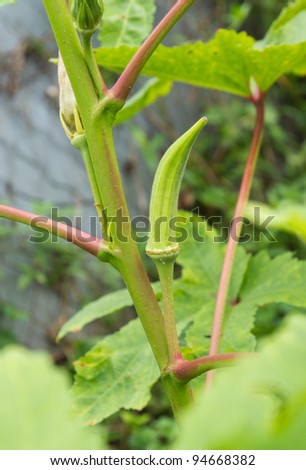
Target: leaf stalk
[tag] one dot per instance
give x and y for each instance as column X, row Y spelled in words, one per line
column 85, row 241
column 235, row 231
column 127, row 79
column 188, row 370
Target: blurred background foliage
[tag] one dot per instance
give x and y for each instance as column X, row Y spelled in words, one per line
column 210, row 184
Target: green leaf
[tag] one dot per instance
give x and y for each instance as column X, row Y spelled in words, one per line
column 117, row 373
column 289, row 27
column 281, row 279
column 227, row 62
column 260, row 404
column 143, row 98
column 100, row 308
column 120, row 370
column 126, row 22
column 202, row 264
column 265, row 281
column 201, row 258
column 34, row 405
column 6, row 2
column 106, row 305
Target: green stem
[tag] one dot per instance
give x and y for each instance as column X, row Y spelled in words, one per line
column 80, row 143
column 124, row 84
column 165, row 272
column 93, row 245
column 98, row 81
column 101, row 149
column 105, row 163
column 235, row 232
column 179, row 393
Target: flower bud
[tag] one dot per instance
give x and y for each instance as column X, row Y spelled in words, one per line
column 87, row 14
column 69, row 114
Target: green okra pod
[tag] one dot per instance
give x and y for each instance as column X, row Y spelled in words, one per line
column 165, row 193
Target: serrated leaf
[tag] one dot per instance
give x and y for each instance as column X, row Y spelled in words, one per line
column 227, row 62
column 266, row 281
column 147, row 95
column 260, row 404
column 126, row 22
column 109, row 375
column 34, row 405
column 201, row 258
column 281, row 279
column 117, row 373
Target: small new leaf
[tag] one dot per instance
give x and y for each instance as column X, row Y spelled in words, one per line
column 117, row 373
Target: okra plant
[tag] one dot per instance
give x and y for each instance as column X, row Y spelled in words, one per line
column 190, row 326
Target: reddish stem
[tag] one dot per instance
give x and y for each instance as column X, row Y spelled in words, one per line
column 188, row 370
column 124, row 84
column 81, row 239
column 235, row 231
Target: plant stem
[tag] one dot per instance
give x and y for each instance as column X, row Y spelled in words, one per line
column 165, row 272
column 101, row 150
column 132, row 269
column 188, row 370
column 235, row 232
column 124, row 84
column 179, row 393
column 80, row 143
column 83, row 240
column 98, row 81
